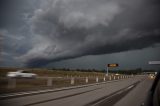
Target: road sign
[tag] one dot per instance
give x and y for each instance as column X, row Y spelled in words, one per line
column 154, row 62
column 112, row 65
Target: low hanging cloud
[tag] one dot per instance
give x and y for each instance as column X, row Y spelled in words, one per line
column 66, row 29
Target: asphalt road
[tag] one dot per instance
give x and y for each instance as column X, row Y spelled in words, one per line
column 137, row 96
column 106, row 94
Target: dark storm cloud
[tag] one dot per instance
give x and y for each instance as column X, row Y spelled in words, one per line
column 11, row 13
column 14, row 29
column 67, row 29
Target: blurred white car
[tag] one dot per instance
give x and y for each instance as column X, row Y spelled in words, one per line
column 21, row 74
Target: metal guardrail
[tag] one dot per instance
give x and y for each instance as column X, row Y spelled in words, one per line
column 52, row 81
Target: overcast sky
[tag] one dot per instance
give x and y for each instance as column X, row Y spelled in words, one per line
column 79, row 33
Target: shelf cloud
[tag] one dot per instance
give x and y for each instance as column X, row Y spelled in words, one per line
column 66, row 29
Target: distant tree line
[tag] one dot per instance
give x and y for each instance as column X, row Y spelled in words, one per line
column 129, row 72
column 80, row 70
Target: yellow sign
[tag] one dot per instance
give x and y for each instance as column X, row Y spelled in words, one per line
column 112, row 65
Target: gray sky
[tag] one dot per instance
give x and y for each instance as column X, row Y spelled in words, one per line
column 79, row 33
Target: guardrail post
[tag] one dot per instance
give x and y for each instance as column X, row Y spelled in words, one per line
column 86, row 79
column 49, row 81
column 11, row 83
column 96, row 79
column 72, row 81
column 114, row 77
column 110, row 78
column 104, row 78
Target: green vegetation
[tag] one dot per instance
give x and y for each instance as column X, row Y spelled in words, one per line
column 130, row 72
column 60, row 78
column 55, row 72
column 70, row 72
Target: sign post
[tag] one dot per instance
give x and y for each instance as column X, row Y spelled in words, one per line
column 107, row 71
column 110, row 65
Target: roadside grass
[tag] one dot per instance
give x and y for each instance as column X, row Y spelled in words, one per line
column 53, row 73
column 41, row 83
column 60, row 79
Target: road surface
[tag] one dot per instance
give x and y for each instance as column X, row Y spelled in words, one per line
column 126, row 92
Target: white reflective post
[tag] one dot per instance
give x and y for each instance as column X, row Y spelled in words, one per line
column 104, row 79
column 110, row 78
column 49, row 82
column 72, row 81
column 114, row 78
column 96, row 79
column 86, row 79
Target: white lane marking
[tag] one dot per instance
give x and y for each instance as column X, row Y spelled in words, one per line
column 121, row 91
column 130, row 87
column 108, row 98
column 23, row 93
